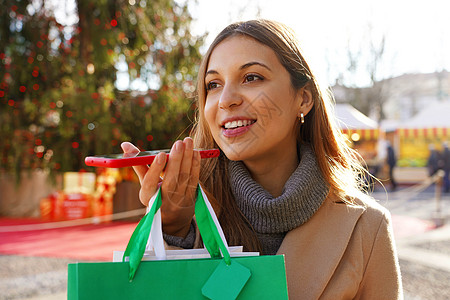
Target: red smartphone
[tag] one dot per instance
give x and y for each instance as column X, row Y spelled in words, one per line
column 141, row 158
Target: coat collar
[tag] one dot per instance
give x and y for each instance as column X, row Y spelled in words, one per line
column 318, row 246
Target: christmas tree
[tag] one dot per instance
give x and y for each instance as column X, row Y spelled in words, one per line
column 58, row 83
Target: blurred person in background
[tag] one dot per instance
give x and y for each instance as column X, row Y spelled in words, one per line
column 433, row 160
column 391, row 162
column 446, row 166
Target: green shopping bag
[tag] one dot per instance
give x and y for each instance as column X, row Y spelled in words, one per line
column 219, row 277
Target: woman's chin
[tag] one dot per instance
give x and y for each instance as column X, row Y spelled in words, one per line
column 235, row 153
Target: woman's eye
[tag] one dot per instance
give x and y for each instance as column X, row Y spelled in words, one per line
column 211, row 85
column 252, row 77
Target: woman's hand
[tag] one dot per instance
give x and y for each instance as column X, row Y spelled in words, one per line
column 178, row 185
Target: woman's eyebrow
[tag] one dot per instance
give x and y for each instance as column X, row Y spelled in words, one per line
column 244, row 66
column 211, row 72
column 252, row 63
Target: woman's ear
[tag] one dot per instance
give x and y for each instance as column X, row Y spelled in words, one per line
column 305, row 98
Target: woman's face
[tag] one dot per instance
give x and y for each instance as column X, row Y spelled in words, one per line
column 251, row 107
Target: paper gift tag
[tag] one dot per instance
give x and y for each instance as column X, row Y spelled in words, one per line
column 227, row 281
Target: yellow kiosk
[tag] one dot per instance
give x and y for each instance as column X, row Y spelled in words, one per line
column 431, row 126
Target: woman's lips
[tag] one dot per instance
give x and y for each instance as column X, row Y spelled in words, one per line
column 234, row 132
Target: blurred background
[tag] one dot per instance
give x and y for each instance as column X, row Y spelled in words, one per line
column 78, row 77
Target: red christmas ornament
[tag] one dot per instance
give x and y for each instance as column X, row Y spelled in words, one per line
column 2, row 94
column 113, row 23
column 69, row 114
column 39, row 44
column 22, row 89
column 11, row 102
column 149, row 137
column 103, row 42
column 75, row 145
column 30, row 60
column 35, row 73
column 35, row 86
column 38, row 142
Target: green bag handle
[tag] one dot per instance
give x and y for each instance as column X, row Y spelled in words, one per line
column 211, row 234
column 209, row 227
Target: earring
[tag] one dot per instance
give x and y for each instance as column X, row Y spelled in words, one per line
column 302, row 118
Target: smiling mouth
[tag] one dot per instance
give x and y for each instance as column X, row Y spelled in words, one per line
column 238, row 124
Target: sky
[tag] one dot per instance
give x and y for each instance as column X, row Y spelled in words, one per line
column 417, row 33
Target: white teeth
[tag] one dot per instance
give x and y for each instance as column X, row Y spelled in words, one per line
column 235, row 124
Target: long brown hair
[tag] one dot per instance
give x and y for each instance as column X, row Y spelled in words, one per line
column 338, row 163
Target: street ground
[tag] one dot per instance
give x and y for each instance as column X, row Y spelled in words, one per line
column 424, row 252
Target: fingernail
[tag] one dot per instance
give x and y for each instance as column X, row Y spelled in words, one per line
column 179, row 146
column 160, row 158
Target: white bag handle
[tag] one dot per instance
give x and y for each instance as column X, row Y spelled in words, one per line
column 156, row 241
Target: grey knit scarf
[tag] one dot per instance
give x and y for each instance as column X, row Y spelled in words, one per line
column 303, row 194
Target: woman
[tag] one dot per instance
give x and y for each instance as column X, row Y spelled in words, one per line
column 286, row 182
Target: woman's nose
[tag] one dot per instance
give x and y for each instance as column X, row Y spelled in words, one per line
column 230, row 97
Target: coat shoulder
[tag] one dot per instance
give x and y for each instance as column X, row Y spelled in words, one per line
column 374, row 212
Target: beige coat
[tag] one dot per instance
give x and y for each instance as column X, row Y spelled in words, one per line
column 343, row 252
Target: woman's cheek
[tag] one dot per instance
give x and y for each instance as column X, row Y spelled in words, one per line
column 210, row 114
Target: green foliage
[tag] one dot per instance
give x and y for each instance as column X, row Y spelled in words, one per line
column 58, row 95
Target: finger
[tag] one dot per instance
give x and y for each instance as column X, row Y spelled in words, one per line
column 194, row 176
column 128, row 147
column 186, row 163
column 150, row 181
column 139, row 170
column 172, row 171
